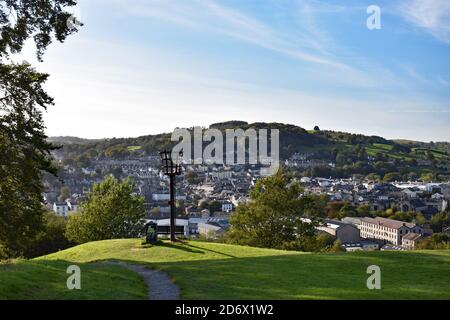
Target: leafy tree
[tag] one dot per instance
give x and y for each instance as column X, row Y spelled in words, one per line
column 52, row 238
column 429, row 177
column 440, row 221
column 24, row 151
column 392, row 176
column 347, row 211
column 315, row 205
column 438, row 241
column 203, row 204
column 373, row 177
column 215, row 206
column 337, row 247
column 111, row 211
column 363, row 211
column 273, row 216
column 64, row 194
column 180, row 207
column 192, row 177
column 333, row 208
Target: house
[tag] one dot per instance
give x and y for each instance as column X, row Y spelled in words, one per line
column 409, row 241
column 227, row 206
column 61, row 208
column 387, row 230
column 344, row 232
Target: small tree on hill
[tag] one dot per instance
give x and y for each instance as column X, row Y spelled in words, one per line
column 111, row 211
column 272, row 217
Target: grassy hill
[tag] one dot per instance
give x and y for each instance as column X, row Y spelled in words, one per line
column 44, row 279
column 220, row 271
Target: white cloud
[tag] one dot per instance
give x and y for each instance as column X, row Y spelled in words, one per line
column 210, row 16
column 431, row 15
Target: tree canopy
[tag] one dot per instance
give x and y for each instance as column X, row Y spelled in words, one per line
column 273, row 216
column 24, row 151
column 111, row 211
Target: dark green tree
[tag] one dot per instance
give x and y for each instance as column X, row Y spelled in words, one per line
column 111, row 211
column 24, row 151
column 52, row 238
column 273, row 216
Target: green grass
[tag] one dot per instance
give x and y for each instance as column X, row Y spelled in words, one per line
column 46, row 279
column 386, row 147
column 134, row 148
column 219, row 271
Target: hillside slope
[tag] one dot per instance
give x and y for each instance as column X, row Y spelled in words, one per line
column 351, row 153
column 47, row 279
column 220, row 271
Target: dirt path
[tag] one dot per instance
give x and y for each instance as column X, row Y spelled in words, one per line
column 159, row 284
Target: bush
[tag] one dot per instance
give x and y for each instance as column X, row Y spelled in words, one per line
column 273, row 216
column 111, row 211
column 438, row 241
column 52, row 238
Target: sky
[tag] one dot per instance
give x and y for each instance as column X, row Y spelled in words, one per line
column 148, row 66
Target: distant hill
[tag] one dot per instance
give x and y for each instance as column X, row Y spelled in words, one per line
column 349, row 151
column 71, row 140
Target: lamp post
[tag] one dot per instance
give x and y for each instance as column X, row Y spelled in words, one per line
column 171, row 169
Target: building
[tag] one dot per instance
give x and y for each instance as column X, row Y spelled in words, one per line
column 387, row 230
column 61, row 208
column 409, row 241
column 210, row 230
column 344, row 232
column 363, row 245
column 181, row 226
column 72, row 205
column 227, row 206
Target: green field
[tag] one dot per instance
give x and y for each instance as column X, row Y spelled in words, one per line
column 45, row 279
column 134, row 148
column 219, row 271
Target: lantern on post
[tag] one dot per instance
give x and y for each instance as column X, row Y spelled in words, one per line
column 171, row 168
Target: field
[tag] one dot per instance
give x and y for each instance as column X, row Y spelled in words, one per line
column 43, row 279
column 218, row 271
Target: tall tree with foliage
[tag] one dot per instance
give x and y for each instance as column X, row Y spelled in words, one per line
column 273, row 216
column 111, row 211
column 24, row 151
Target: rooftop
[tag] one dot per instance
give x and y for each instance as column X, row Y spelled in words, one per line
column 389, row 223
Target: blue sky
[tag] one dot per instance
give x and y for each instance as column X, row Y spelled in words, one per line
column 147, row 66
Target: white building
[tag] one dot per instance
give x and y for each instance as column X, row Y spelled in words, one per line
column 227, row 206
column 61, row 208
column 410, row 240
column 181, row 226
column 387, row 230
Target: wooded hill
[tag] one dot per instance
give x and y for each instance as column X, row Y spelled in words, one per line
column 343, row 149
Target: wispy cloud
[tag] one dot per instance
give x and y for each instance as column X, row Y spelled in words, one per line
column 431, row 15
column 210, row 16
column 411, row 71
column 443, row 81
